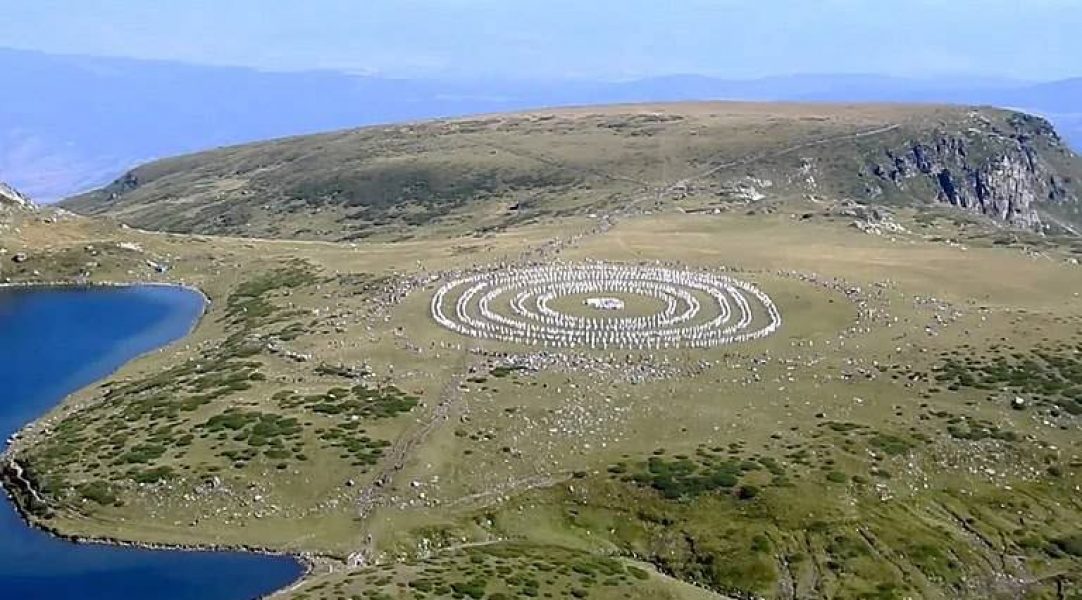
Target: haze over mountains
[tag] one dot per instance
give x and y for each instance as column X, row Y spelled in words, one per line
column 77, row 122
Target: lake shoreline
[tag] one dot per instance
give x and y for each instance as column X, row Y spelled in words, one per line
column 306, row 560
column 107, row 284
column 12, row 443
column 18, row 489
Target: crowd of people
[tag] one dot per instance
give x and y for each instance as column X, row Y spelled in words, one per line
column 516, row 305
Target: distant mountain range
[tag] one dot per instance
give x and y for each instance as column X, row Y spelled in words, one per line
column 69, row 123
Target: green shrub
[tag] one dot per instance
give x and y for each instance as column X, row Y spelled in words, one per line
column 99, row 492
column 1070, row 544
column 638, row 573
column 837, row 477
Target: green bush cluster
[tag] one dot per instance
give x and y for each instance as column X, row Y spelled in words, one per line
column 1045, row 375
column 686, row 477
column 265, row 433
column 515, row 571
column 98, row 491
column 382, row 402
column 248, row 306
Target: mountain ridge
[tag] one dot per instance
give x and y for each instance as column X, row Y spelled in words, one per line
column 12, row 198
column 492, row 171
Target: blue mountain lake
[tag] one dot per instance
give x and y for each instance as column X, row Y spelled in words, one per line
column 54, row 341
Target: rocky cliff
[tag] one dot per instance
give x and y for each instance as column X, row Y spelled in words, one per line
column 1017, row 171
column 11, row 198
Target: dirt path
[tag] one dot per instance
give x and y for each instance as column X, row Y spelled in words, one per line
column 788, row 150
column 376, row 494
column 555, row 162
column 519, row 486
column 660, row 192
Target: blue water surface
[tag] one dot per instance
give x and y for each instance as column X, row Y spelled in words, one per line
column 54, row 341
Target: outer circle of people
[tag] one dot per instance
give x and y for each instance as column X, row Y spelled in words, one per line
column 515, row 305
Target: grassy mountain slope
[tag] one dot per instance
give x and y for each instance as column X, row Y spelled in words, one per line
column 485, row 173
column 910, row 432
column 875, row 447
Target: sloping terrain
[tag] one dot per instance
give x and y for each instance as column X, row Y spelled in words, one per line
column 910, row 431
column 11, row 198
column 12, row 204
column 486, row 173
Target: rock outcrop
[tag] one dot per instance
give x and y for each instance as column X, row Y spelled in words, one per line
column 11, row 198
column 1002, row 173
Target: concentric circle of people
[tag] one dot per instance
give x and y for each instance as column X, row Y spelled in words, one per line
column 525, row 297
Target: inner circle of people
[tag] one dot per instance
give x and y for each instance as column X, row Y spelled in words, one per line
column 701, row 310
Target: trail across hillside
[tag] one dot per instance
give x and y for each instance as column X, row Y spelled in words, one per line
column 788, row 150
column 376, row 494
column 751, row 159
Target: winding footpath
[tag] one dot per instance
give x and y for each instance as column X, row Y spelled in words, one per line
column 376, row 494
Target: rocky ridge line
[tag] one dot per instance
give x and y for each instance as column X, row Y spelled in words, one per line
column 11, row 198
column 1005, row 174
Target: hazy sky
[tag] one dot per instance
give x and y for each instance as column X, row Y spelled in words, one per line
column 1029, row 39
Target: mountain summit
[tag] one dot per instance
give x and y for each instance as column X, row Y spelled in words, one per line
column 490, row 172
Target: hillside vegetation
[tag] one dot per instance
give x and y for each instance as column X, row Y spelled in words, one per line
column 910, row 431
column 487, row 173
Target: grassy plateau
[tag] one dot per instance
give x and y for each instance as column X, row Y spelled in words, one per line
column 911, row 431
